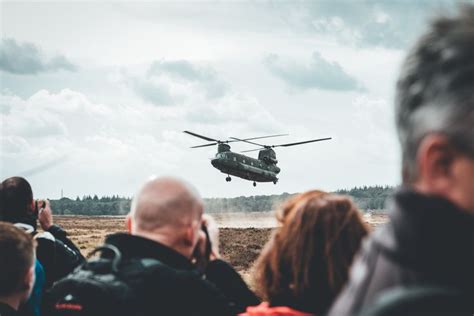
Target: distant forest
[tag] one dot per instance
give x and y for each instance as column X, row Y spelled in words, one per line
column 370, row 198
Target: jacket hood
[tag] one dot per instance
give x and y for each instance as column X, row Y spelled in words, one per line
column 264, row 309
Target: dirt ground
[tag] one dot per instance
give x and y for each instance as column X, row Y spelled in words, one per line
column 242, row 236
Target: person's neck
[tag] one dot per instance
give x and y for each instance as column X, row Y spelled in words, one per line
column 13, row 301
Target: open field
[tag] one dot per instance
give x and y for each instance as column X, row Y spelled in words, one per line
column 242, row 235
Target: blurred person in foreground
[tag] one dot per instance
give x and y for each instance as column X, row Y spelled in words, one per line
column 57, row 254
column 17, row 262
column 429, row 241
column 306, row 262
column 182, row 275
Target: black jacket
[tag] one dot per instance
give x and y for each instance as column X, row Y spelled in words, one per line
column 57, row 254
column 6, row 310
column 177, row 288
column 428, row 241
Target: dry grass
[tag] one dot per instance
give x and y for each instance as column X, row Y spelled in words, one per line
column 242, row 236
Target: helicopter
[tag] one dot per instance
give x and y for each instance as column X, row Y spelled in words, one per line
column 263, row 169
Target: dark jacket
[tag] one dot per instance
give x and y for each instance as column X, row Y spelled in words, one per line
column 428, row 241
column 58, row 255
column 176, row 287
column 6, row 310
column 56, row 252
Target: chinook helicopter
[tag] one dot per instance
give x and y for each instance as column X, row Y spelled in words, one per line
column 263, row 169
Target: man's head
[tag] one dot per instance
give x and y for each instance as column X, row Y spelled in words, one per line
column 435, row 110
column 17, row 258
column 169, row 211
column 16, row 201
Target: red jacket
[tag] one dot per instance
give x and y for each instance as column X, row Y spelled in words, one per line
column 264, row 309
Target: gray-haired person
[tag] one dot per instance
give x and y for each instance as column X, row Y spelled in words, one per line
column 427, row 248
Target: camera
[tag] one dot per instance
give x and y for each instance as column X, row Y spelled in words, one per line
column 202, row 255
column 39, row 204
column 208, row 250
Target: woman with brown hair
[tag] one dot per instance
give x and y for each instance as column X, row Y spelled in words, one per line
column 306, row 262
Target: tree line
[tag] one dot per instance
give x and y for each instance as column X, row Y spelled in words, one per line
column 367, row 198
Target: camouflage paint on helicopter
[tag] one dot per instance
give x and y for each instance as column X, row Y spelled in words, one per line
column 263, row 169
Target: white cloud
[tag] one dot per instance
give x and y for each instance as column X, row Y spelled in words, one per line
column 171, row 82
column 27, row 58
column 389, row 24
column 319, row 73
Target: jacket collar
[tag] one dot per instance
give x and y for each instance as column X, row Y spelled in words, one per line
column 7, row 310
column 27, row 228
column 138, row 247
column 429, row 233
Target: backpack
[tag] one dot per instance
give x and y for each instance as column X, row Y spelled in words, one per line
column 98, row 287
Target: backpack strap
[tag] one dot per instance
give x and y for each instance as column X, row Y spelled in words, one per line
column 116, row 258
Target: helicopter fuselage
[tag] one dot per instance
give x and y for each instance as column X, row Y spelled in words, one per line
column 245, row 167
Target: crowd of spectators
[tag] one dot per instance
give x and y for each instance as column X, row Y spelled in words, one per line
column 320, row 260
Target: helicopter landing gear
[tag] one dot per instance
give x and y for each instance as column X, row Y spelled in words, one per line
column 275, row 182
column 228, row 179
column 254, row 184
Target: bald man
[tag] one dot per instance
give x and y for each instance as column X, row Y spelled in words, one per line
column 165, row 223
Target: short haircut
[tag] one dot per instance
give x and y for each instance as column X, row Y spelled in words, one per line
column 435, row 89
column 15, row 199
column 17, row 255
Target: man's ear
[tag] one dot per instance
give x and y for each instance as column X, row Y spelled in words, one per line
column 29, row 279
column 189, row 235
column 435, row 160
column 128, row 223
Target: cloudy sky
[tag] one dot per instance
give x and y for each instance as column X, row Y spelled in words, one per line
column 94, row 96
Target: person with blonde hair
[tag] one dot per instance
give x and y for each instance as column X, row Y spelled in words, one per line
column 306, row 262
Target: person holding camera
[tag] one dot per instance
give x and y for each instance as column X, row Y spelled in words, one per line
column 167, row 264
column 57, row 254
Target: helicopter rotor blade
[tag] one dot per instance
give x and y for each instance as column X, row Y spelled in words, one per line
column 246, row 141
column 206, row 145
column 215, row 141
column 279, row 135
column 301, row 143
column 200, row 136
column 247, row 151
